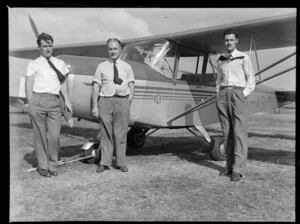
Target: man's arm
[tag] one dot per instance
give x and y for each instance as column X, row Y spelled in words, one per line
column 219, row 78
column 63, row 89
column 250, row 78
column 131, row 92
column 95, row 94
column 28, row 87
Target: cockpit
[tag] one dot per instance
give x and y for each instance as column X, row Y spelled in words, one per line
column 193, row 66
column 158, row 54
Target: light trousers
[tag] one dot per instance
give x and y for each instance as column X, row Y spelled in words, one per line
column 45, row 115
column 114, row 121
column 231, row 105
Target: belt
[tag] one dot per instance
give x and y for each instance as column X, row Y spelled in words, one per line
column 232, row 87
column 116, row 96
column 46, row 94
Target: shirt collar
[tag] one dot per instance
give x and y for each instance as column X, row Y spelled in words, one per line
column 112, row 61
column 45, row 59
column 234, row 53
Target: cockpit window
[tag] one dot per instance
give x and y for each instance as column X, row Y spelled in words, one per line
column 157, row 54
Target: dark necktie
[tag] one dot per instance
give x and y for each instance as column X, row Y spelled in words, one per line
column 67, row 115
column 224, row 58
column 117, row 80
column 60, row 76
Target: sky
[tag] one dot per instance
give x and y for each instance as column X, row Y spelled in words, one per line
column 81, row 25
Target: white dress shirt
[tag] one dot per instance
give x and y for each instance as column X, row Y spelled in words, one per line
column 238, row 72
column 45, row 78
column 104, row 75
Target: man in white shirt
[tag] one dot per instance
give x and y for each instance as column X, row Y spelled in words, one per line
column 42, row 87
column 235, row 81
column 114, row 83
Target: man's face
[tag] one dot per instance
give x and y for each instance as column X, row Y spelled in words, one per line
column 46, row 48
column 230, row 42
column 114, row 50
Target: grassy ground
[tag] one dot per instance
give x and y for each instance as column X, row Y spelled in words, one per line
column 169, row 179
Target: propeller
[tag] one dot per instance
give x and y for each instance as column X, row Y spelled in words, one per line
column 33, row 26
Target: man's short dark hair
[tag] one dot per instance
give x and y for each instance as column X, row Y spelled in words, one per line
column 115, row 40
column 44, row 36
column 231, row 31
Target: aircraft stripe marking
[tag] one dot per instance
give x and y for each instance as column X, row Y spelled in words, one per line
column 176, row 91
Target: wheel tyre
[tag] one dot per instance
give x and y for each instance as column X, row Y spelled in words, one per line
column 218, row 151
column 136, row 138
column 89, row 152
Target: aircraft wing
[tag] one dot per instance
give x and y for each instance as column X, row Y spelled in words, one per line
column 270, row 32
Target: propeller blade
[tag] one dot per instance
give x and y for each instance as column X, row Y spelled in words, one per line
column 33, row 26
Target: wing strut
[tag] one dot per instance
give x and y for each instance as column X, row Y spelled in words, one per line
column 272, row 65
column 275, row 63
column 256, row 56
column 193, row 109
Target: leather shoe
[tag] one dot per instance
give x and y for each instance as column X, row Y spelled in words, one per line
column 44, row 172
column 53, row 173
column 123, row 168
column 225, row 173
column 101, row 168
column 235, row 176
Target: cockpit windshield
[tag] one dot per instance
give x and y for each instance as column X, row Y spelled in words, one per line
column 158, row 54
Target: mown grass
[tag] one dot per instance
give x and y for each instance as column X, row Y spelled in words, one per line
column 169, row 179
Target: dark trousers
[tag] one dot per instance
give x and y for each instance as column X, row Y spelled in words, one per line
column 114, row 121
column 231, row 105
column 45, row 115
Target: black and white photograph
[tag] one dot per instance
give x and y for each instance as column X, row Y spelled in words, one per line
column 152, row 114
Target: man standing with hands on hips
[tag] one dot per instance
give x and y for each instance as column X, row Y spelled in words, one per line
column 45, row 80
column 114, row 83
column 235, row 81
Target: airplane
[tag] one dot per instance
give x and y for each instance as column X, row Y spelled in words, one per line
column 184, row 98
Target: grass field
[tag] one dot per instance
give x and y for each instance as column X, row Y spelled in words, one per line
column 169, row 179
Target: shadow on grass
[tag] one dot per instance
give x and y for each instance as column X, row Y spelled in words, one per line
column 272, row 156
column 68, row 151
column 187, row 148
column 253, row 134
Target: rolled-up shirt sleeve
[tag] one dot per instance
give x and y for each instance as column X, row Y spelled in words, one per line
column 98, row 75
column 250, row 78
column 130, row 75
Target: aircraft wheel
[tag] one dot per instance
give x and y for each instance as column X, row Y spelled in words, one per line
column 218, row 149
column 136, row 138
column 90, row 149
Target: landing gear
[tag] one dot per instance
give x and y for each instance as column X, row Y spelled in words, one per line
column 136, row 137
column 88, row 149
column 217, row 149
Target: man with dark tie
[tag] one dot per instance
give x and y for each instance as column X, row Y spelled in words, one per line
column 235, row 81
column 45, row 82
column 114, row 83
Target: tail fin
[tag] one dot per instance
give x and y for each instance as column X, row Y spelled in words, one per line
column 33, row 26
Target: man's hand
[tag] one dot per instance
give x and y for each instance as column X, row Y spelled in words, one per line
column 69, row 106
column 95, row 112
column 130, row 101
column 245, row 95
